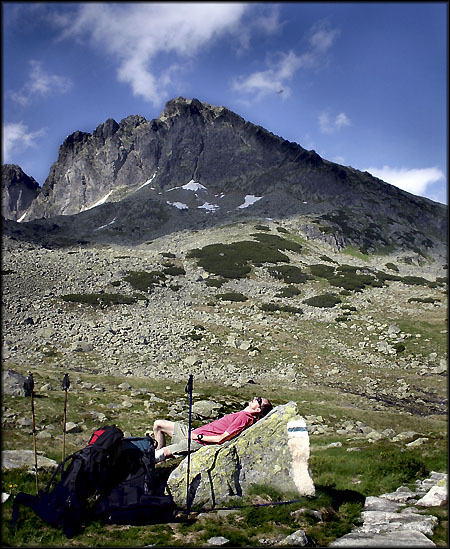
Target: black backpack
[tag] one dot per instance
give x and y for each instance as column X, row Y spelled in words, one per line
column 111, row 474
column 135, row 497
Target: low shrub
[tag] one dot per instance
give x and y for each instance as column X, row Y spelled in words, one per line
column 262, row 228
column 143, row 281
column 174, row 271
column 274, row 241
column 323, row 301
column 289, row 291
column 169, row 255
column 392, row 267
column 214, row 282
column 99, row 299
column 399, row 348
column 232, row 296
column 234, row 260
column 282, row 230
column 415, row 281
column 322, row 271
column 423, row 300
column 354, row 282
column 289, row 274
column 274, row 307
column 326, row 258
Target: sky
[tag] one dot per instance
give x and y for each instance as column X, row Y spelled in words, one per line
column 364, row 84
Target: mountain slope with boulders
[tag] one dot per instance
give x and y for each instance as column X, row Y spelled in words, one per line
column 198, row 166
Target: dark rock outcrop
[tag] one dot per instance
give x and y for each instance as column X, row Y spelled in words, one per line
column 18, row 191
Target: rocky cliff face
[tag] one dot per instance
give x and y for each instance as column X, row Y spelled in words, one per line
column 18, row 191
column 199, row 166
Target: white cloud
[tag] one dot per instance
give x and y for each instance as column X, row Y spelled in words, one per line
column 280, row 71
column 136, row 35
column 414, row 181
column 331, row 125
column 322, row 37
column 17, row 137
column 41, row 84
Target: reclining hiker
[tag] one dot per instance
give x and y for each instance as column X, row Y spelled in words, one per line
column 216, row 432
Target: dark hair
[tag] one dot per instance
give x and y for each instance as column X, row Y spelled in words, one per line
column 265, row 408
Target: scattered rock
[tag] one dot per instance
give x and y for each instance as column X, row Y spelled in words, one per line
column 72, row 427
column 13, row 383
column 298, row 538
column 218, row 540
column 16, row 459
column 436, row 497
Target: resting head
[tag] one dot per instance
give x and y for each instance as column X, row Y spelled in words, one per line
column 260, row 406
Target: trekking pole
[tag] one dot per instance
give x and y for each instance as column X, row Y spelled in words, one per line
column 188, row 389
column 65, row 385
column 29, row 389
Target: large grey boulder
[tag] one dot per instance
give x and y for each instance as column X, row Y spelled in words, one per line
column 263, row 454
column 13, row 383
column 16, row 459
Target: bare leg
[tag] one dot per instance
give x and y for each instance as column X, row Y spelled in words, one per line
column 161, row 428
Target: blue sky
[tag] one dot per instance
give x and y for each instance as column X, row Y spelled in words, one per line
column 363, row 84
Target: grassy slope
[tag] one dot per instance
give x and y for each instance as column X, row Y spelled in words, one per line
column 365, row 389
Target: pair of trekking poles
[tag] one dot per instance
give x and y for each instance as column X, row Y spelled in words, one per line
column 29, row 389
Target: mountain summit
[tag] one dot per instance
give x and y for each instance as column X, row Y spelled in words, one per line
column 199, row 165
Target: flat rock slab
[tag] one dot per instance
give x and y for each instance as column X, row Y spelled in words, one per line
column 16, row 459
column 387, row 539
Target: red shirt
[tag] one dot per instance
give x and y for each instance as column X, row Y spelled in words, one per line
column 232, row 423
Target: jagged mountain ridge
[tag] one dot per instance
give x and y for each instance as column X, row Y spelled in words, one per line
column 198, row 165
column 18, row 191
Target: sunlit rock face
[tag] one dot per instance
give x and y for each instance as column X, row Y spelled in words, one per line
column 18, row 192
column 264, row 454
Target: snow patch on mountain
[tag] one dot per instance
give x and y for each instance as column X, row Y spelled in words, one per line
column 178, row 205
column 107, row 225
column 148, row 181
column 209, row 207
column 99, row 202
column 249, row 200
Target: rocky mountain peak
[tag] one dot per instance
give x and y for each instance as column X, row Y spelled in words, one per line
column 181, row 107
column 18, row 191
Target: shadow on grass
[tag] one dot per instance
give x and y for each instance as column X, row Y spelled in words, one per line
column 339, row 497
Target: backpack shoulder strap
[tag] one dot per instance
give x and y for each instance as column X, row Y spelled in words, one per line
column 21, row 499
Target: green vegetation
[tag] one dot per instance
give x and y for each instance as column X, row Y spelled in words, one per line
column 275, row 307
column 418, row 281
column 289, row 274
column 144, row 281
column 99, row 299
column 232, row 296
column 215, row 282
column 392, row 267
column 235, row 260
column 324, row 300
column 174, row 271
column 423, row 300
column 342, row 479
column 322, row 271
column 288, row 291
